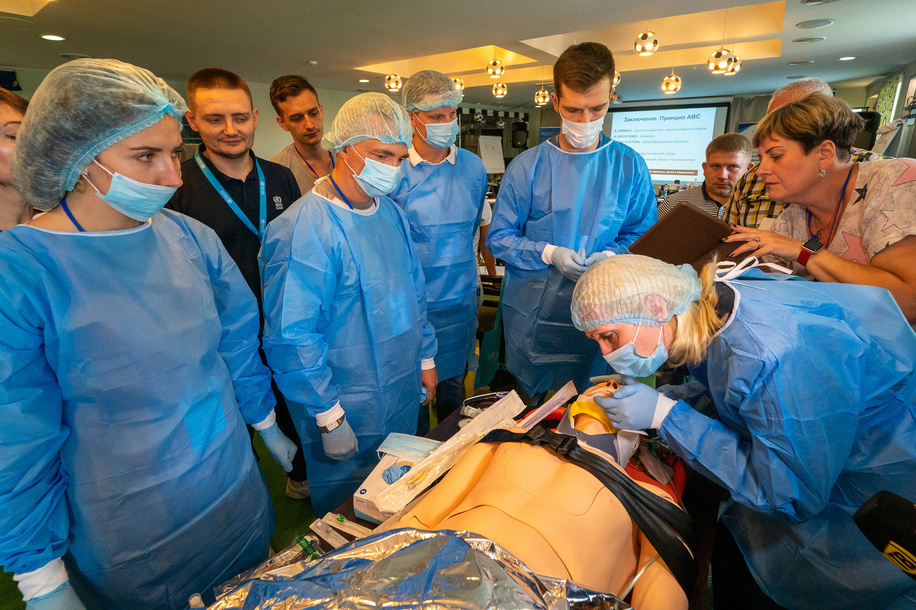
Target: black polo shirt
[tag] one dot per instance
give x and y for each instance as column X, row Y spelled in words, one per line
column 198, row 199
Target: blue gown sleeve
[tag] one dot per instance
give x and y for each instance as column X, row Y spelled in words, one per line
column 642, row 206
column 34, row 523
column 238, row 344
column 298, row 279
column 786, row 428
column 513, row 206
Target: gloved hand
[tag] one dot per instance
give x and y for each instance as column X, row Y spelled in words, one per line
column 61, row 598
column 595, row 257
column 571, row 264
column 636, row 406
column 339, row 444
column 283, row 449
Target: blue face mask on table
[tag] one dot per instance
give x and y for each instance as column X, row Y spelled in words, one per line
column 137, row 200
column 376, row 178
column 627, row 361
column 441, row 135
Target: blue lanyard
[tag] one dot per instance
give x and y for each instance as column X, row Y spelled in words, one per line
column 344, row 197
column 63, row 204
column 304, row 160
column 262, row 190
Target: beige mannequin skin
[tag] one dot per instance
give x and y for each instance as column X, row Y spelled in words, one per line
column 553, row 515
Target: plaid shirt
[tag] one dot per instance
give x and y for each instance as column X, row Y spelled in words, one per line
column 749, row 204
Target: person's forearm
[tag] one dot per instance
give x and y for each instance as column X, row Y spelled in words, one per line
column 488, row 259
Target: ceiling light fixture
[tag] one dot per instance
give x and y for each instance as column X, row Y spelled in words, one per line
column 671, row 84
column 542, row 97
column 814, row 24
column 364, row 80
column 53, row 37
column 646, row 43
column 393, row 83
column 616, row 80
column 847, row 58
column 495, row 68
column 734, row 68
column 459, row 84
column 720, row 61
column 500, row 90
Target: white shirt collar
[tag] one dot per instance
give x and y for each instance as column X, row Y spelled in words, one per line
column 415, row 158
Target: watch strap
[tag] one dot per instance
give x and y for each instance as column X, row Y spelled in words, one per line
column 334, row 425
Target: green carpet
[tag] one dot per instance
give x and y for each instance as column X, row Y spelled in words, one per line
column 293, row 518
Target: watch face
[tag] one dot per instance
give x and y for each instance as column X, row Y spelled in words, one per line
column 813, row 245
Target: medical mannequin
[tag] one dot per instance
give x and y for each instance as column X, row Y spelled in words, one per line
column 551, row 514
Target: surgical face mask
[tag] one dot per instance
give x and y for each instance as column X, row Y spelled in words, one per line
column 627, row 361
column 136, row 200
column 440, row 135
column 582, row 135
column 376, row 179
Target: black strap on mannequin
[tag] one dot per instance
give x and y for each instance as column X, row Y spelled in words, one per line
column 668, row 527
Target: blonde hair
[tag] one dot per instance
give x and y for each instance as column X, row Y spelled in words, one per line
column 694, row 329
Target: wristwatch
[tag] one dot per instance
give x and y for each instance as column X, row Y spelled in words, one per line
column 334, row 425
column 808, row 248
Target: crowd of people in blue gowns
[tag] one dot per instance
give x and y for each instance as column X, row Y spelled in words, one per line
column 130, row 364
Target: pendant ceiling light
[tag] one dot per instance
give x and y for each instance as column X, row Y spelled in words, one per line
column 616, row 80
column 646, row 43
column 459, row 84
column 671, row 84
column 393, row 83
column 500, row 90
column 734, row 68
column 495, row 68
column 542, row 97
column 720, row 61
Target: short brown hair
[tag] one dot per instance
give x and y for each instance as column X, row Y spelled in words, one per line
column 730, row 143
column 813, row 120
column 215, row 78
column 288, row 86
column 582, row 66
column 18, row 104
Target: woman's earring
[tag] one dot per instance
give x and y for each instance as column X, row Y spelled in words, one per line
column 822, row 173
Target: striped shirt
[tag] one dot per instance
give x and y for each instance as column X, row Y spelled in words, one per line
column 696, row 196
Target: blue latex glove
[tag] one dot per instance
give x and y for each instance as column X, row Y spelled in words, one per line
column 594, row 258
column 61, row 598
column 339, row 444
column 283, row 449
column 636, row 406
column 570, row 263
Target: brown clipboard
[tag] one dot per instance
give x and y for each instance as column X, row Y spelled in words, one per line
column 687, row 235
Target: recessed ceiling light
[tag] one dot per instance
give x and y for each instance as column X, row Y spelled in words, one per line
column 810, row 39
column 801, row 62
column 847, row 58
column 53, row 37
column 364, row 80
column 814, row 24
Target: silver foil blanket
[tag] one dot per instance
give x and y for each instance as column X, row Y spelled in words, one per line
column 409, row 568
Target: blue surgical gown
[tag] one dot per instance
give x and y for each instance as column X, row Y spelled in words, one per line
column 813, row 388
column 443, row 203
column 345, row 320
column 128, row 368
column 599, row 200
